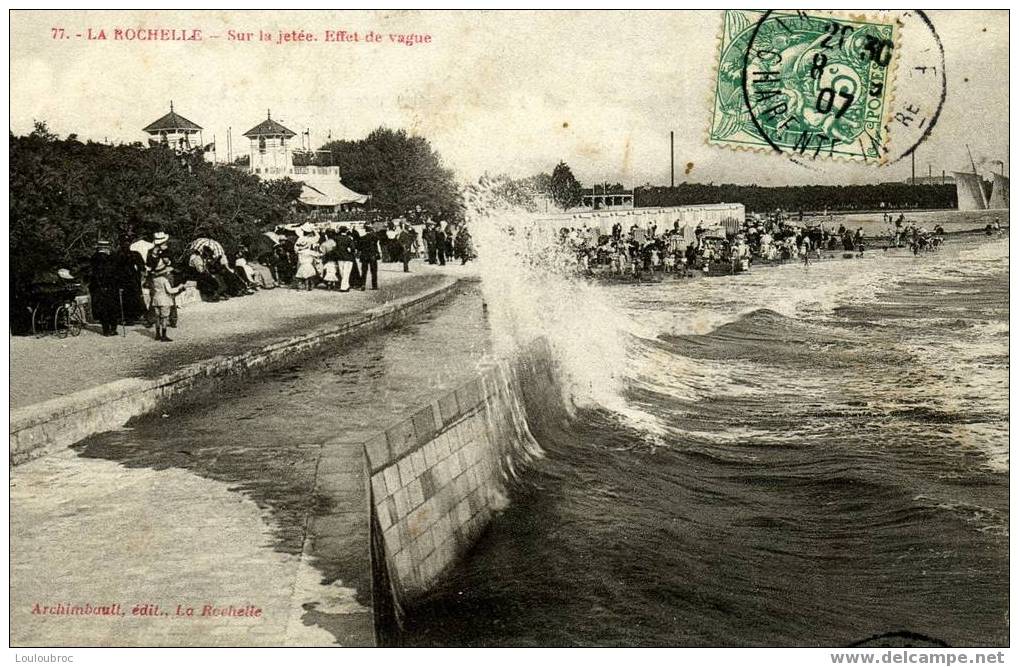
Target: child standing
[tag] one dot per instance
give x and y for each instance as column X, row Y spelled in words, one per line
column 330, row 266
column 162, row 301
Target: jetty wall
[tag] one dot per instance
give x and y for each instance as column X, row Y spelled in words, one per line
column 438, row 477
column 42, row 427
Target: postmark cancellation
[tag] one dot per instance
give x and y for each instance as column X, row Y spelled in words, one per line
column 806, row 84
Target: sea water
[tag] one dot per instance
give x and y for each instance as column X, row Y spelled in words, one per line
column 796, row 456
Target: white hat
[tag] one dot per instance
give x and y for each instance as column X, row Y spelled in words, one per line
column 307, row 228
column 159, row 238
column 65, row 274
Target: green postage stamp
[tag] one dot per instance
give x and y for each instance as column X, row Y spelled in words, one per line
column 804, row 83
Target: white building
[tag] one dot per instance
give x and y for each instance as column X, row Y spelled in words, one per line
column 272, row 157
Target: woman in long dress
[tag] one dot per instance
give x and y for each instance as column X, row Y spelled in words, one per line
column 356, row 279
column 263, row 274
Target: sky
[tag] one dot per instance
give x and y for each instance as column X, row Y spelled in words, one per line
column 494, row 92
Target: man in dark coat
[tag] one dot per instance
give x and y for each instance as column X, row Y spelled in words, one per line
column 368, row 249
column 407, row 238
column 130, row 271
column 104, row 287
column 441, row 242
column 346, row 255
column 429, row 236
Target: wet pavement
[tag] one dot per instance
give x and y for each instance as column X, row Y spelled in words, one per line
column 253, row 497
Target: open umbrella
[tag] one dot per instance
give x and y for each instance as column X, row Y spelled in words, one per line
column 200, row 244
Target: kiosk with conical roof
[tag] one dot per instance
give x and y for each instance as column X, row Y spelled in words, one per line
column 272, row 157
column 175, row 131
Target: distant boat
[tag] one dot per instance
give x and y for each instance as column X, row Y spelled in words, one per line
column 969, row 189
column 975, row 194
column 999, row 192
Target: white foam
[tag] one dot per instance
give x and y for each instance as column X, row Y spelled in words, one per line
column 532, row 288
column 601, row 334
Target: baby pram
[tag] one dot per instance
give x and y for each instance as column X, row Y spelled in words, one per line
column 54, row 304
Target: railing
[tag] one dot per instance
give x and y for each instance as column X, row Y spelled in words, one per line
column 323, row 171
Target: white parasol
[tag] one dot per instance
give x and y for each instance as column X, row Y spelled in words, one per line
column 142, row 247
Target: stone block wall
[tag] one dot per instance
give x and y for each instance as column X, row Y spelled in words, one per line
column 438, row 477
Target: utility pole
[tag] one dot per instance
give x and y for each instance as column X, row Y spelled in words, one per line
column 912, row 159
column 672, row 159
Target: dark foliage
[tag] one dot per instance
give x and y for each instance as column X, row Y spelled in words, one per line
column 802, row 197
column 65, row 195
column 566, row 190
column 398, row 170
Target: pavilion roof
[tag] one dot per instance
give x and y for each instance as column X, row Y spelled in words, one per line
column 269, row 128
column 172, row 122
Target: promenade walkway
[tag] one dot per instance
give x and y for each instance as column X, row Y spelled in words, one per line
column 47, row 367
column 90, row 531
column 262, row 537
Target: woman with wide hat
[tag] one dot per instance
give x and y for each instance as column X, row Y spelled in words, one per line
column 307, row 254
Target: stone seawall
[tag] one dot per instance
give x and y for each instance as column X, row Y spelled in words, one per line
column 61, row 422
column 437, row 478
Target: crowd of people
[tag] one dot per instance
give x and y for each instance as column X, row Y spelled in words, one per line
column 730, row 248
column 117, row 280
column 917, row 238
column 332, row 256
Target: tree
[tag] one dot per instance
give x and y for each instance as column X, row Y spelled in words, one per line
column 65, row 195
column 527, row 193
column 400, row 172
column 565, row 188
